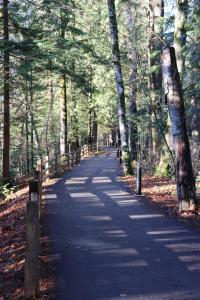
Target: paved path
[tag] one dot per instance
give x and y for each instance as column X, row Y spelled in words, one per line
column 109, row 246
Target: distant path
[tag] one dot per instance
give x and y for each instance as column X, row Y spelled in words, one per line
column 109, row 246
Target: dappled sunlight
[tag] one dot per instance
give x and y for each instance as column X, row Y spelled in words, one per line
column 101, row 179
column 87, row 195
column 177, row 238
column 97, row 218
column 147, row 216
column 115, row 233
column 184, row 247
column 116, row 192
column 167, row 231
column 129, row 264
column 189, row 258
column 126, row 202
column 50, row 196
column 76, row 180
column 127, row 250
column 118, row 252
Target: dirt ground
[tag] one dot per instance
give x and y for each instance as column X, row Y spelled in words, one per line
column 160, row 193
column 12, row 250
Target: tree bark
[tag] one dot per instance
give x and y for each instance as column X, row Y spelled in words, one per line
column 63, row 116
column 156, row 12
column 6, row 74
column 119, row 85
column 132, row 106
column 185, row 181
column 180, row 33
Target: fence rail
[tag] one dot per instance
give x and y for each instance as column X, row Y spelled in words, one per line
column 43, row 171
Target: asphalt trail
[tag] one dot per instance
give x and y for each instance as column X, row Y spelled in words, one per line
column 110, row 246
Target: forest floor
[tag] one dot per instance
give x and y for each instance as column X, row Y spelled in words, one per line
column 159, row 193
column 12, row 250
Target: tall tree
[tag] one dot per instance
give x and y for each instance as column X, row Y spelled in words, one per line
column 156, row 13
column 6, row 132
column 63, row 96
column 119, row 84
column 180, row 33
column 184, row 173
column 130, row 16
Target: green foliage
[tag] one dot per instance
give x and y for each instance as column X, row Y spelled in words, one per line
column 6, row 189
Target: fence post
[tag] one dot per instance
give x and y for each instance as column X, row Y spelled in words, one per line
column 47, row 167
column 38, row 177
column 32, row 240
column 139, row 180
column 39, row 165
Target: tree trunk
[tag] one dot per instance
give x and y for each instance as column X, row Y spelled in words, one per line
column 194, row 114
column 94, row 130
column 6, row 74
column 119, row 85
column 185, row 181
column 63, row 116
column 156, row 13
column 180, row 33
column 132, row 107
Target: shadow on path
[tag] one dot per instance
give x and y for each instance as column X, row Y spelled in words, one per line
column 109, row 246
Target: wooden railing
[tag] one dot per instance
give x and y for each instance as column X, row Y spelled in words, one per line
column 43, row 172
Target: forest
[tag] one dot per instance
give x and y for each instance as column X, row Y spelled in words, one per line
column 124, row 72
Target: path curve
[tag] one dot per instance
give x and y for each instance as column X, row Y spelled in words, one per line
column 109, row 246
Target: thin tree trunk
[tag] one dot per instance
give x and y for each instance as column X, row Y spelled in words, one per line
column 119, row 84
column 180, row 33
column 63, row 116
column 27, row 139
column 31, row 120
column 185, row 181
column 94, row 130
column 6, row 72
column 51, row 96
column 132, row 107
column 156, row 12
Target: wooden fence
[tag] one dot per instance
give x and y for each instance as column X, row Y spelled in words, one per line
column 43, row 172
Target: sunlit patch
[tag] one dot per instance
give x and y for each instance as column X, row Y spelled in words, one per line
column 76, row 180
column 82, row 195
column 97, row 218
column 126, row 202
column 115, row 192
column 101, row 180
column 194, row 267
column 189, row 258
column 119, row 252
column 185, row 247
column 126, row 264
column 167, row 231
column 50, row 196
column 146, row 216
column 174, row 239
